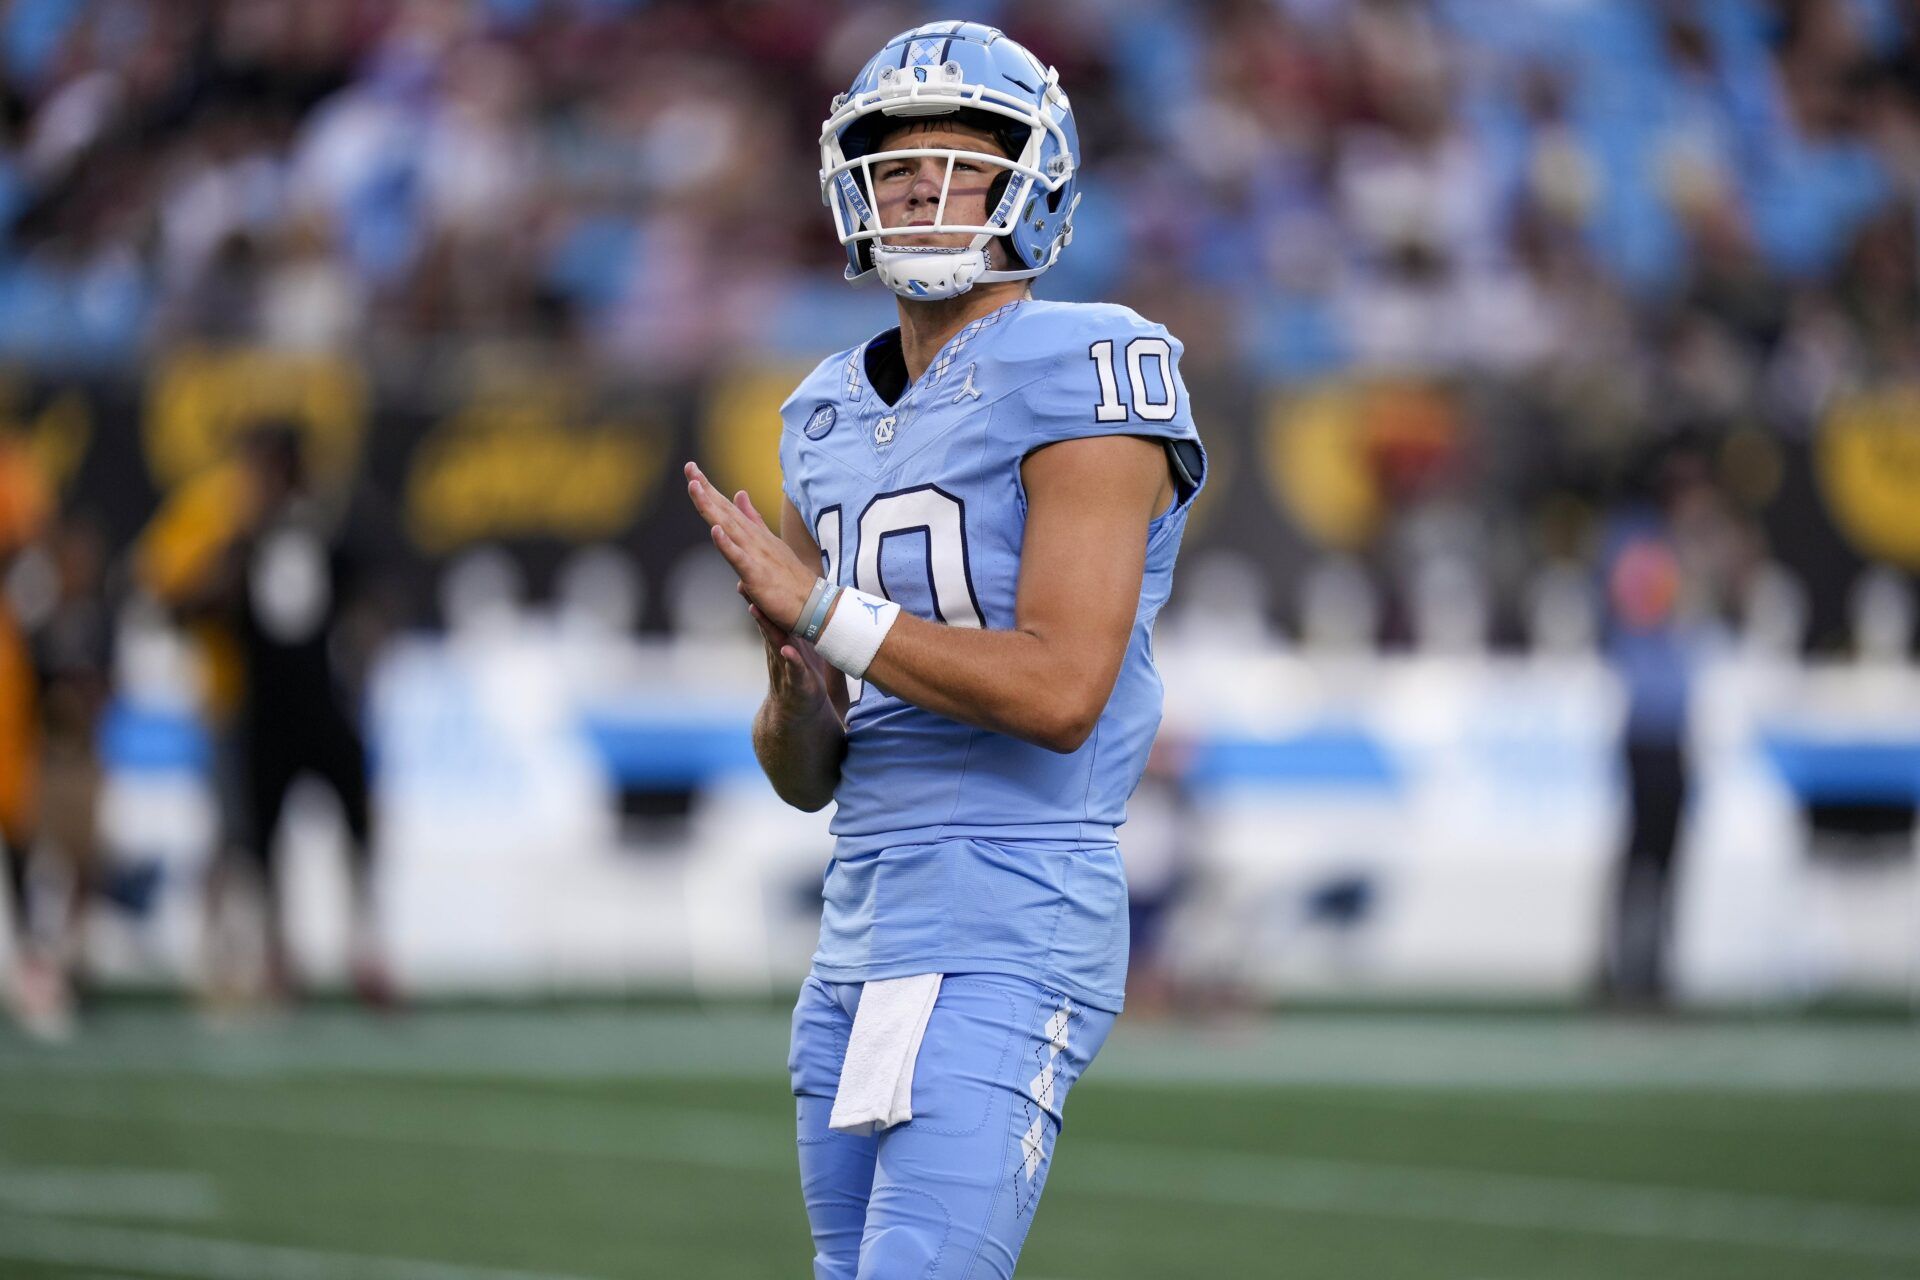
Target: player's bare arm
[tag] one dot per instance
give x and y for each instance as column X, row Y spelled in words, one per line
column 1046, row 680
column 799, row 733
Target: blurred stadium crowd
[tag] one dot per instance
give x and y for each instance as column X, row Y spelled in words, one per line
column 1686, row 204
column 1606, row 226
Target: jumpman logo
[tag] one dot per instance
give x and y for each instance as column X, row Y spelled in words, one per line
column 968, row 389
column 873, row 607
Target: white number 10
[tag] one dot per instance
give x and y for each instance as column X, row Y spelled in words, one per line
column 926, row 510
column 1138, row 351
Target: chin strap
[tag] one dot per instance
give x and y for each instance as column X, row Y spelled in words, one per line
column 926, row 274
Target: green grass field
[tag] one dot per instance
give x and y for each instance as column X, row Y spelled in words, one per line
column 611, row 1142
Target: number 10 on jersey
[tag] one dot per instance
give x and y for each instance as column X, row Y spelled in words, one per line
column 927, row 510
column 1139, row 351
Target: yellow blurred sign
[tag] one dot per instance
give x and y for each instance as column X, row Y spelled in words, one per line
column 55, row 436
column 1867, row 457
column 514, row 465
column 1316, row 465
column 1339, row 456
column 740, row 437
column 201, row 401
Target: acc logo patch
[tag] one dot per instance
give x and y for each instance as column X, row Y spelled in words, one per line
column 820, row 423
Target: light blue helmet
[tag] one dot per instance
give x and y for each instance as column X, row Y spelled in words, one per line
column 948, row 68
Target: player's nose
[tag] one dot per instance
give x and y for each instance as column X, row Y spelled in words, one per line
column 926, row 179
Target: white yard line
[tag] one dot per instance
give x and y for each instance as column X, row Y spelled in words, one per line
column 1517, row 1201
column 155, row 1253
column 1495, row 1054
column 734, row 1142
column 1613, row 1112
column 670, row 1135
column 109, row 1193
column 1473, row 1053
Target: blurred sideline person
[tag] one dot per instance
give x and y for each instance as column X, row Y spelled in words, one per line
column 1161, row 820
column 250, row 558
column 37, row 993
column 71, row 643
column 1657, row 632
column 982, row 512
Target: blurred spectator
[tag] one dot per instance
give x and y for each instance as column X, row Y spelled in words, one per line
column 294, row 716
column 253, row 556
column 37, row 992
column 1157, row 846
column 58, row 590
column 1665, row 552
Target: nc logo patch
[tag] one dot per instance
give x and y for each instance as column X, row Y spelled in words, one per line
column 883, row 429
column 821, row 422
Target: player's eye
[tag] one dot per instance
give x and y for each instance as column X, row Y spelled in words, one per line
column 895, row 170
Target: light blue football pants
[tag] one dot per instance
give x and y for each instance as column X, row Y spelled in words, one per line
column 951, row 1192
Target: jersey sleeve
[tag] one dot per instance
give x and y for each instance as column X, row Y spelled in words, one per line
column 790, row 462
column 1098, row 370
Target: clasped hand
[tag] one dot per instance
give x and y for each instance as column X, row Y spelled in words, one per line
column 775, row 583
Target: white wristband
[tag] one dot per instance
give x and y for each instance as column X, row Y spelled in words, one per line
column 853, row 635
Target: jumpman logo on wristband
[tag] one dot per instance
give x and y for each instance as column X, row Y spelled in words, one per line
column 874, row 607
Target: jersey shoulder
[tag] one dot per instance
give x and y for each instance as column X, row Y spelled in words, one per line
column 827, row 398
column 1043, row 331
column 1091, row 368
column 836, row 380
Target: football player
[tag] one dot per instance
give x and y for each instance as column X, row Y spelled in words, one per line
column 982, row 511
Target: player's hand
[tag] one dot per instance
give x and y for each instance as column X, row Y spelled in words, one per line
column 771, row 575
column 796, row 673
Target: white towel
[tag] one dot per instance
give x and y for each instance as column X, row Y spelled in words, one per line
column 876, row 1080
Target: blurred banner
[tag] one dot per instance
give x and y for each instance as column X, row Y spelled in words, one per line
column 538, row 462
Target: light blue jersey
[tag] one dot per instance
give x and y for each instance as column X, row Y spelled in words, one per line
column 960, row 849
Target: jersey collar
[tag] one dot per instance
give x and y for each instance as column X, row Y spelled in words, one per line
column 885, row 365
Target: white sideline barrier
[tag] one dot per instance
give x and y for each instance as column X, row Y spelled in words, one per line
column 1371, row 826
